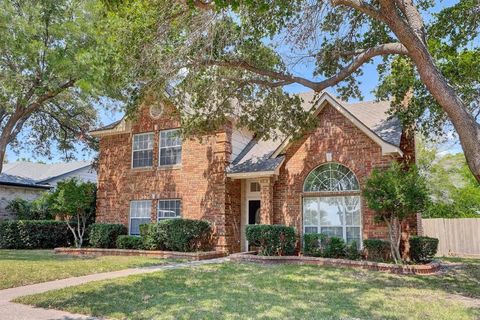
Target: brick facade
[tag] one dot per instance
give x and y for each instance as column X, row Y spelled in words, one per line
column 200, row 180
column 206, row 192
column 348, row 146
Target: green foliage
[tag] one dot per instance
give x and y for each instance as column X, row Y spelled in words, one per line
column 34, row 234
column 237, row 57
column 129, row 242
column 21, row 208
column 423, row 249
column 453, row 189
column 75, row 201
column 183, row 235
column 151, row 236
column 396, row 192
column 313, row 244
column 38, row 209
column 56, row 69
column 272, row 240
column 321, row 245
column 352, row 252
column 104, row 235
column 377, row 250
column 186, row 235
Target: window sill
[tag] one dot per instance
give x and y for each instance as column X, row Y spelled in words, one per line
column 170, row 167
column 143, row 169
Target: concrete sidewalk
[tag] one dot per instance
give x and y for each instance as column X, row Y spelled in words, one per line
column 15, row 311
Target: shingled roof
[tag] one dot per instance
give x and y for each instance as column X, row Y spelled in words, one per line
column 266, row 155
column 11, row 180
column 40, row 172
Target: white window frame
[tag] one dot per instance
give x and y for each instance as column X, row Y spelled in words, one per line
column 166, row 218
column 130, row 214
column 133, row 144
column 160, row 148
column 344, row 226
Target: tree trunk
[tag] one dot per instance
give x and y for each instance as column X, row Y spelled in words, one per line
column 464, row 123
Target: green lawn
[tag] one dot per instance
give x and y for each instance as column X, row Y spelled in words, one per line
column 22, row 267
column 232, row 291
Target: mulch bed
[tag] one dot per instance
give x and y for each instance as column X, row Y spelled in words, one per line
column 430, row 268
column 146, row 253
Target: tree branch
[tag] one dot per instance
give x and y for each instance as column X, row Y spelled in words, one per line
column 357, row 62
column 361, row 6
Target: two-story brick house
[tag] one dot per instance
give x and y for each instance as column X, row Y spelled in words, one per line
column 147, row 173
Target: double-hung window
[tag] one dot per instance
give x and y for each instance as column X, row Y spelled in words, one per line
column 142, row 150
column 169, row 209
column 139, row 214
column 170, row 147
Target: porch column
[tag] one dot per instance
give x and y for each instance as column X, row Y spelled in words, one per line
column 266, row 200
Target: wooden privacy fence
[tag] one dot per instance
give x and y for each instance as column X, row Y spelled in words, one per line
column 457, row 237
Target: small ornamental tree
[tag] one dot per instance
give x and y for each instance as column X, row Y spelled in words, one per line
column 74, row 202
column 395, row 194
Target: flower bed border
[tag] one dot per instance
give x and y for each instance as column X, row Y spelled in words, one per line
column 203, row 255
column 423, row 269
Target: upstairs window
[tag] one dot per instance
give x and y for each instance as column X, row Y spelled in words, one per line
column 169, row 209
column 142, row 150
column 170, row 147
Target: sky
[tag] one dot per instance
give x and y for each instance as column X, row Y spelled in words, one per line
column 368, row 80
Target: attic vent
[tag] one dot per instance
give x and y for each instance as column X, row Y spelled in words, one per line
column 156, row 110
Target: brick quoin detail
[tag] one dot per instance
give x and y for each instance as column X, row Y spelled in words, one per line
column 200, row 182
column 350, row 147
column 207, row 193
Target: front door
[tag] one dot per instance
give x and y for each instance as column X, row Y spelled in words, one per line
column 253, row 215
column 253, row 211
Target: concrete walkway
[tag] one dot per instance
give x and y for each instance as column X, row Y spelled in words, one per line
column 16, row 311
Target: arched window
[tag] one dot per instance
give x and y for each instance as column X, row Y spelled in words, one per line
column 337, row 215
column 331, row 177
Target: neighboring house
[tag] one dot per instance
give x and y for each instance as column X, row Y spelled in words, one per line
column 147, row 173
column 12, row 187
column 28, row 180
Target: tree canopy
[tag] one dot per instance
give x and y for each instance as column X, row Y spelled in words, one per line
column 453, row 190
column 222, row 58
column 55, row 65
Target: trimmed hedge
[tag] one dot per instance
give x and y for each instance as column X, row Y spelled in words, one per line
column 129, row 242
column 152, row 239
column 423, row 249
column 104, row 235
column 377, row 250
column 183, row 235
column 321, row 245
column 34, row 234
column 272, row 240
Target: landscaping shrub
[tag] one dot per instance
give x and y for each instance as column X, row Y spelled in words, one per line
column 377, row 249
column 320, row 245
column 423, row 249
column 177, row 235
column 104, row 235
column 151, row 237
column 351, row 251
column 129, row 242
column 34, row 234
column 272, row 240
column 313, row 244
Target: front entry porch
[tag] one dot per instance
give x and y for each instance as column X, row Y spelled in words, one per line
column 256, row 205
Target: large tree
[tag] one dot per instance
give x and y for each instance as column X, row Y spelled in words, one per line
column 208, row 54
column 53, row 68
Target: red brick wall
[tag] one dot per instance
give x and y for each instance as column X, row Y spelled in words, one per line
column 200, row 181
column 349, row 146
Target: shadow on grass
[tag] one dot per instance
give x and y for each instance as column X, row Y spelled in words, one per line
column 245, row 291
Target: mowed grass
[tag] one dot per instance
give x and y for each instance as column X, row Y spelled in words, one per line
column 22, row 267
column 245, row 291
